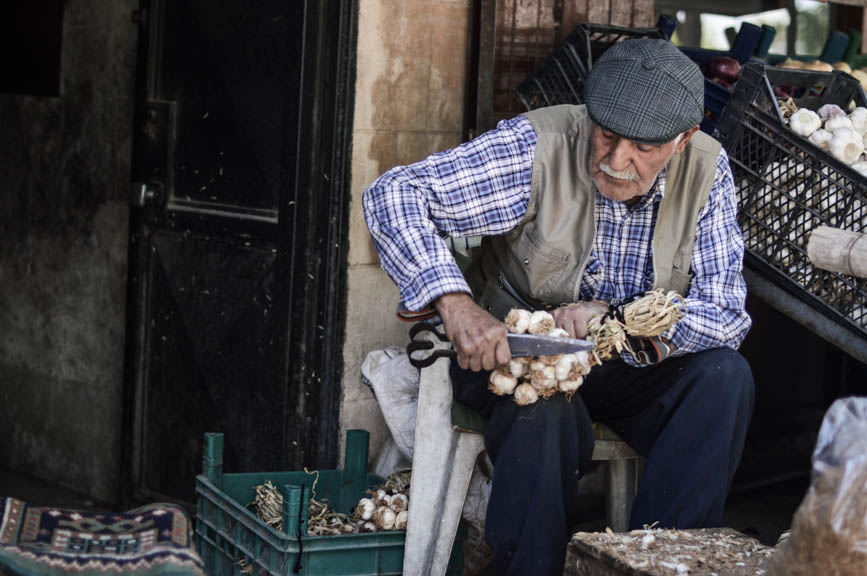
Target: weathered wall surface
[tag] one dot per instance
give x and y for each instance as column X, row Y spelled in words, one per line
column 64, row 173
column 409, row 103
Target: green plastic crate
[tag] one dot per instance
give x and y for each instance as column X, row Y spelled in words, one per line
column 227, row 530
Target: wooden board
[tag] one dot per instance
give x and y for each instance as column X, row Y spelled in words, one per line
column 656, row 552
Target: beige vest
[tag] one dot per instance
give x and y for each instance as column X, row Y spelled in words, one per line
column 543, row 258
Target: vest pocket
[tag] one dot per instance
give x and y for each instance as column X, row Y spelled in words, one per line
column 538, row 266
column 496, row 300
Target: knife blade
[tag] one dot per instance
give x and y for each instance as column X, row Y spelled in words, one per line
column 536, row 345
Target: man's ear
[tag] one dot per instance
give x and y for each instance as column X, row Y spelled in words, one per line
column 684, row 140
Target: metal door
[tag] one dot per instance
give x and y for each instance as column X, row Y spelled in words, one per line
column 237, row 237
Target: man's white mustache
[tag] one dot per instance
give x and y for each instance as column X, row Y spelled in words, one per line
column 619, row 174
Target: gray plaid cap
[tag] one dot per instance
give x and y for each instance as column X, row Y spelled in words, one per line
column 645, row 90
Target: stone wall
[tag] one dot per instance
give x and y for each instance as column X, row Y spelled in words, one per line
column 64, row 176
column 409, row 103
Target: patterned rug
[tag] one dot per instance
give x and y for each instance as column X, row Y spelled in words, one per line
column 151, row 540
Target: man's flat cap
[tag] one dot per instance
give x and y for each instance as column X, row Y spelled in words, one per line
column 645, row 90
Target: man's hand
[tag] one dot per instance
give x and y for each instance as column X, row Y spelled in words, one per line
column 479, row 338
column 574, row 317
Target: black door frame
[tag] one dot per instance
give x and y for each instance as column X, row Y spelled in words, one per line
column 317, row 233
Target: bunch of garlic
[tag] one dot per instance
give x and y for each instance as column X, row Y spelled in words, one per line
column 843, row 135
column 382, row 510
column 529, row 379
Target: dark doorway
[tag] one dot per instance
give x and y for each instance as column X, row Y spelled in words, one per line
column 237, row 238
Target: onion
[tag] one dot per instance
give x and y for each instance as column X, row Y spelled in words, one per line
column 723, row 68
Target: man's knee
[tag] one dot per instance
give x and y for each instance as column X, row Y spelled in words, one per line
column 725, row 375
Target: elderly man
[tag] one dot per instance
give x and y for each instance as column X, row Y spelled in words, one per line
column 581, row 206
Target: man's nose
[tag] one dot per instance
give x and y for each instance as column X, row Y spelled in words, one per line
column 620, row 153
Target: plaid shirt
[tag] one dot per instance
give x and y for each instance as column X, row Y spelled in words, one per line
column 482, row 188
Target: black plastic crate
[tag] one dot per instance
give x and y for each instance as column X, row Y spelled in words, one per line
column 559, row 78
column 595, row 39
column 787, row 186
column 716, row 96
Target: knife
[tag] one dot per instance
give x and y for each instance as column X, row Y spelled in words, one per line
column 536, row 345
column 519, row 345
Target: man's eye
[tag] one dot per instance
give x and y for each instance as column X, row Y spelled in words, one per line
column 646, row 148
column 607, row 135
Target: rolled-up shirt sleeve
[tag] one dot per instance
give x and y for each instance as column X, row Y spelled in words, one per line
column 480, row 188
column 714, row 309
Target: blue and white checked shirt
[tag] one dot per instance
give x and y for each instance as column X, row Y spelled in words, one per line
column 482, row 188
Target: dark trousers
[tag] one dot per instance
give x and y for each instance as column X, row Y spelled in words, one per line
column 687, row 416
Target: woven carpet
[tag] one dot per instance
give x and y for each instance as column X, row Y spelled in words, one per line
column 152, row 540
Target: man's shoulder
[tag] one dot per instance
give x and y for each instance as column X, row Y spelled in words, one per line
column 567, row 119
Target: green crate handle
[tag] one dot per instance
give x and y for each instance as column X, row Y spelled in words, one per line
column 212, row 458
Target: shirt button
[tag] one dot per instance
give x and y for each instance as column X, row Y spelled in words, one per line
column 488, row 308
column 526, row 262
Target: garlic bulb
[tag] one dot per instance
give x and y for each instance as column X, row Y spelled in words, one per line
column 569, row 386
column 804, row 122
column 517, row 368
column 518, row 321
column 835, row 123
column 400, row 520
column 821, row 138
column 564, row 366
column 502, row 384
column 540, row 322
column 859, row 120
column 399, row 503
column 829, row 110
column 368, row 527
column 384, row 518
column 860, row 167
column 558, row 333
column 525, row 395
column 365, row 508
column 550, row 360
column 846, row 146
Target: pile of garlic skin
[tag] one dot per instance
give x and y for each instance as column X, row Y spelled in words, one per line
column 830, row 128
column 529, row 379
column 383, row 510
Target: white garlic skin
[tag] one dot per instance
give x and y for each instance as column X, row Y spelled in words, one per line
column 399, row 503
column 384, row 518
column 525, row 395
column 368, row 527
column 860, row 167
column 821, row 138
column 366, row 507
column 570, row 386
column 518, row 321
column 540, row 322
column 517, row 368
column 564, row 366
column 804, row 122
column 859, row 120
column 835, row 123
column 502, row 384
column 846, row 146
column 829, row 111
column 558, row 333
column 400, row 520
